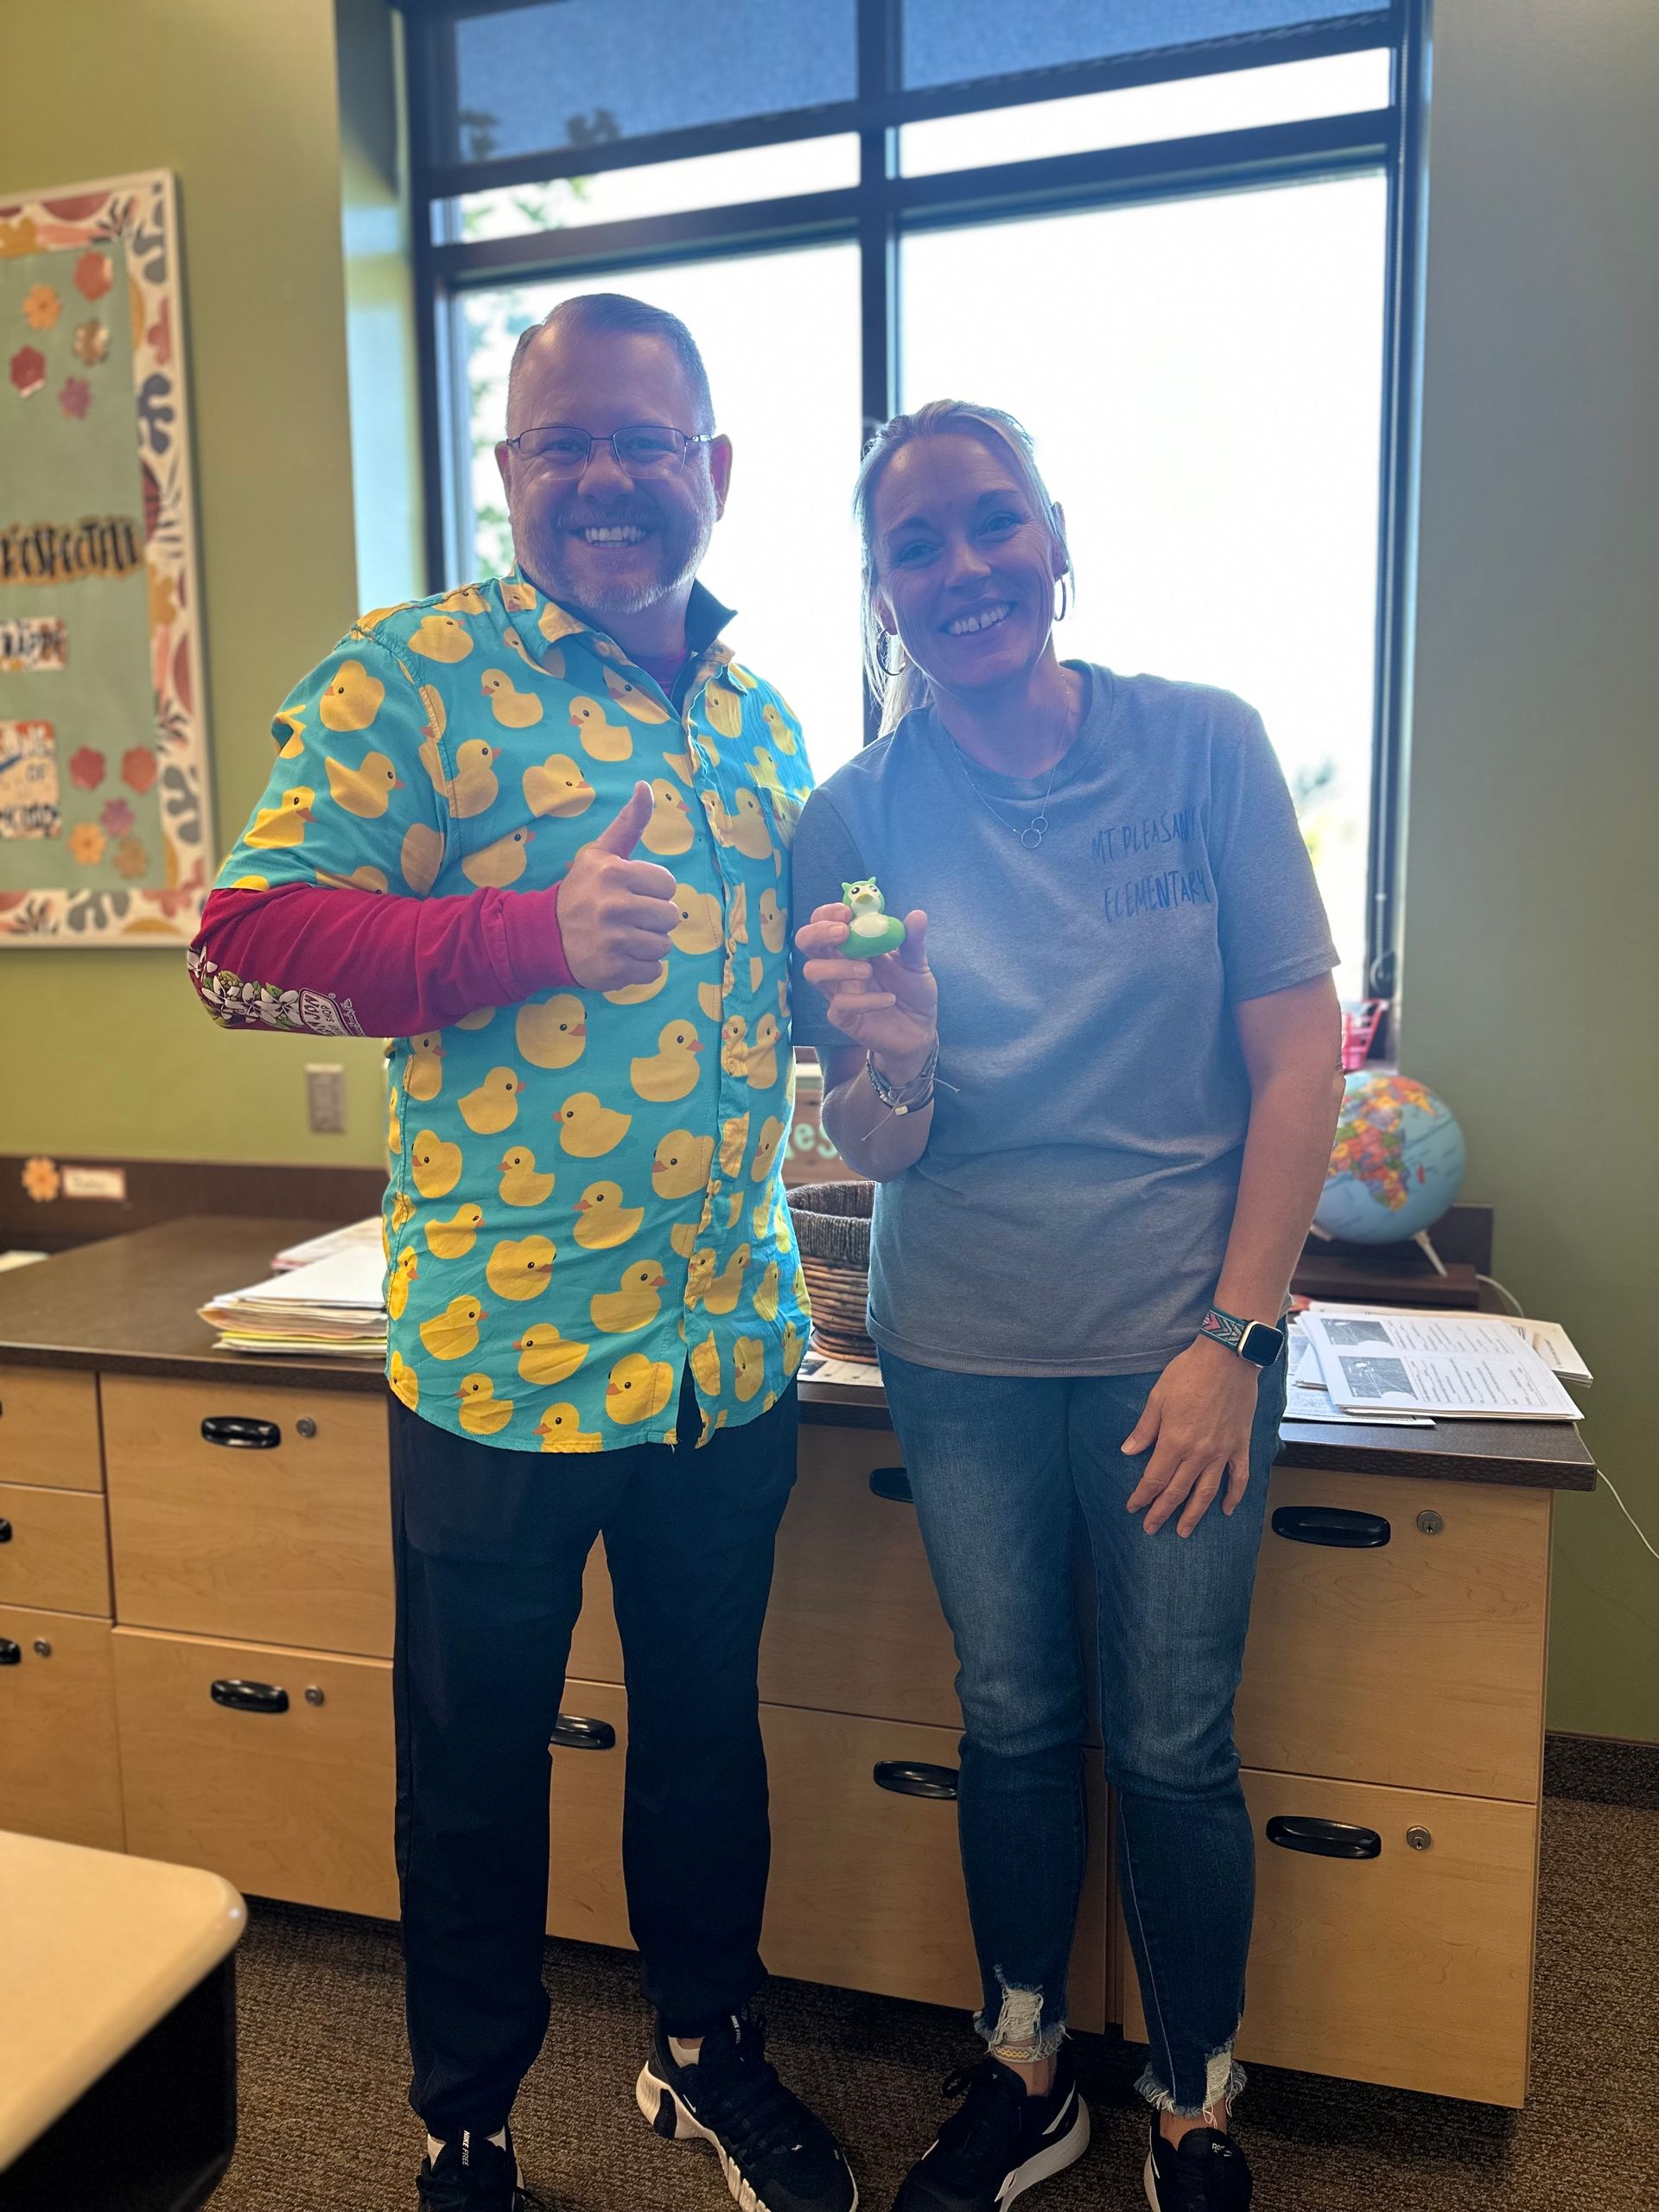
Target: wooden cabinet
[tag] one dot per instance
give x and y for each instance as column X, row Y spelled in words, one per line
column 60, row 1767
column 1393, row 1940
column 205, row 1679
column 53, row 1551
column 1398, row 1634
column 251, row 1513
column 48, row 1429
column 272, row 1767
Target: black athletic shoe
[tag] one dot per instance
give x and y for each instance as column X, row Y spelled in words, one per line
column 1000, row 2141
column 472, row 2174
column 778, row 2155
column 1205, row 2172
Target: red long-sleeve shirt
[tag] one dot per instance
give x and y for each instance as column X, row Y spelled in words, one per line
column 355, row 962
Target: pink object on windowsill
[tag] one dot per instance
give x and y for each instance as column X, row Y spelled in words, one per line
column 1359, row 1026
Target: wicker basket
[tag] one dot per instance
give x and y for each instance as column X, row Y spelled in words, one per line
column 832, row 1227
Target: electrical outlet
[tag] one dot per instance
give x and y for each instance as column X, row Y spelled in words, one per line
column 325, row 1098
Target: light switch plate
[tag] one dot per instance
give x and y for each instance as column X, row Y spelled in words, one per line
column 325, row 1096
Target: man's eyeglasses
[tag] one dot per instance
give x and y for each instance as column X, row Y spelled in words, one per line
column 641, row 448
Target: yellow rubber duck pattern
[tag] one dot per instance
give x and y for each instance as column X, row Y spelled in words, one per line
column 585, row 1195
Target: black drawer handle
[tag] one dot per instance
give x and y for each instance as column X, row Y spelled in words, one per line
column 11, row 1654
column 5, row 1532
column 1325, row 1838
column 240, row 1433
column 894, row 1484
column 915, row 1778
column 571, row 1733
column 251, row 1697
column 1338, row 1526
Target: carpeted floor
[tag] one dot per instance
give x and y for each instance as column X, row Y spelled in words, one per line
column 324, row 2127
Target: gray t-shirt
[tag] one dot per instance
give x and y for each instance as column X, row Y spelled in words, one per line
column 1071, row 1210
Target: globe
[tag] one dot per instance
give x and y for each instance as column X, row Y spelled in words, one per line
column 1396, row 1164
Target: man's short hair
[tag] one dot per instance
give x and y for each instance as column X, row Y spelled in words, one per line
column 600, row 313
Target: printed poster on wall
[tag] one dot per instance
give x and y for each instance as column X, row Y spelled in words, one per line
column 106, row 826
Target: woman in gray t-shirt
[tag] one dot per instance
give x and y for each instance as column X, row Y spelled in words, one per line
column 1096, row 1085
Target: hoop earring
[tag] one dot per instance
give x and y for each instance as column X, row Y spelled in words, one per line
column 1064, row 607
column 881, row 654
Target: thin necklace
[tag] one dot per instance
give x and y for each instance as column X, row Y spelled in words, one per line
column 1032, row 835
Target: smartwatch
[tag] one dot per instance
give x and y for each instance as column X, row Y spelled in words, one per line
column 1251, row 1340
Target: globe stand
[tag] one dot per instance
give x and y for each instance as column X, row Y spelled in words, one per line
column 1422, row 1241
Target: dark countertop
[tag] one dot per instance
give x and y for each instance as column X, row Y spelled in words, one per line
column 130, row 1303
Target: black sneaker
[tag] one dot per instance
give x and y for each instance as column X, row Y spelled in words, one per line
column 778, row 2154
column 472, row 2174
column 1205, row 2172
column 1000, row 2142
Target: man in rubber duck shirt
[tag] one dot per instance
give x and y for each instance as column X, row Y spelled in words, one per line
column 523, row 829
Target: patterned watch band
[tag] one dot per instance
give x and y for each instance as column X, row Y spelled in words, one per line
column 1226, row 1328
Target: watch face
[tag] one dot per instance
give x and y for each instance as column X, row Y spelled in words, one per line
column 1260, row 1345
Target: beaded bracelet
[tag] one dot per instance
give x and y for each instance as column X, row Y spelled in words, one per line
column 896, row 1096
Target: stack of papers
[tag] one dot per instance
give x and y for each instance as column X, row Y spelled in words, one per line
column 1306, row 1398
column 332, row 1307
column 360, row 1236
column 1445, row 1366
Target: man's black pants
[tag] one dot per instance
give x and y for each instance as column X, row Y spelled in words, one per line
column 490, row 1546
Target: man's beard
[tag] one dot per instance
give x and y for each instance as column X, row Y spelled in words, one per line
column 544, row 547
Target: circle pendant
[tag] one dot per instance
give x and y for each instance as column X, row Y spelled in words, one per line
column 1033, row 834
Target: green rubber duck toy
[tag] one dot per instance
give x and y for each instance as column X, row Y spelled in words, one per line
column 874, row 930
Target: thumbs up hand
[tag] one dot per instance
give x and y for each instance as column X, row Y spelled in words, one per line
column 615, row 913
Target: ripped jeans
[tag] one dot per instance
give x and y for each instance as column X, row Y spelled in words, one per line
column 998, row 1464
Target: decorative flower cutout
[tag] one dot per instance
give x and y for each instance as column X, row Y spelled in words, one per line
column 132, row 857
column 92, row 275
column 41, row 306
column 27, row 370
column 42, row 1180
column 19, row 236
column 87, row 769
column 138, row 768
column 117, row 818
column 75, row 397
column 91, row 342
column 87, row 844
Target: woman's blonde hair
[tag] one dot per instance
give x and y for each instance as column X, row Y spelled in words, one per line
column 906, row 688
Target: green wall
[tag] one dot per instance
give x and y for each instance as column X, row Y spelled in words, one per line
column 1532, row 892
column 1532, row 915
column 109, row 1052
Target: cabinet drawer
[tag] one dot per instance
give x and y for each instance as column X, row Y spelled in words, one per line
column 1417, row 1661
column 60, row 1773
column 294, row 1802
column 855, row 1625
column 866, row 1887
column 48, row 1429
column 53, row 1551
column 1412, row 1968
column 585, row 1897
column 257, row 1513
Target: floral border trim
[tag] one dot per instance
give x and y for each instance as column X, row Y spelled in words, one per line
column 142, row 211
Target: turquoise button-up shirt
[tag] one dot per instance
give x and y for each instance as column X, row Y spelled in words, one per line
column 585, row 1190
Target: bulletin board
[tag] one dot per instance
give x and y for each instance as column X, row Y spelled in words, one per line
column 105, row 824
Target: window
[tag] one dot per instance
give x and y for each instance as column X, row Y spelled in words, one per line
column 1176, row 237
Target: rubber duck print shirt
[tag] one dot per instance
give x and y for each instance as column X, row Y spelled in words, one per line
column 585, row 1189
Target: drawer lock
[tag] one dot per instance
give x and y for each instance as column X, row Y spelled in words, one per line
column 1324, row 1839
column 915, row 1778
column 249, row 1697
column 1420, row 1839
column 1430, row 1522
column 314, row 1695
column 42, row 1648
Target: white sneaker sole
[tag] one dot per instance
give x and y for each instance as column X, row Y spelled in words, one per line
column 1064, row 2152
column 653, row 2095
